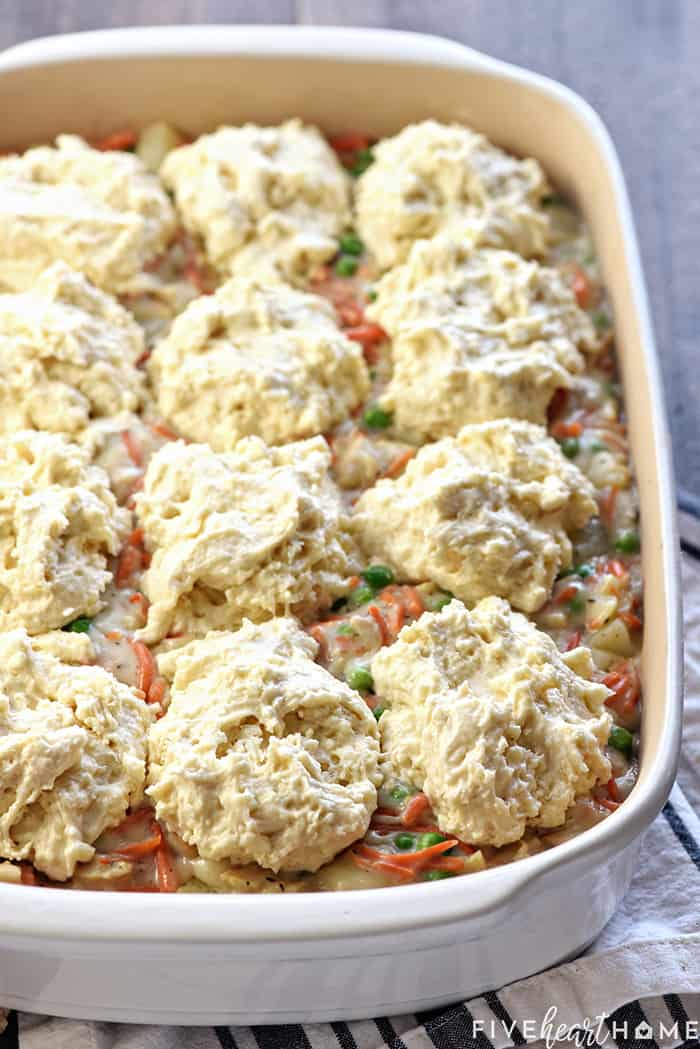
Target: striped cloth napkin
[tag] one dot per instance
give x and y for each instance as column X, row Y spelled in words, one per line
column 636, row 987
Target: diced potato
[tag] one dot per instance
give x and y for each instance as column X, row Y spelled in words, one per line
column 155, row 142
column 603, row 659
column 10, row 873
column 614, row 637
column 601, row 609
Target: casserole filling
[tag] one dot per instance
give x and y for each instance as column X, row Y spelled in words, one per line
column 320, row 543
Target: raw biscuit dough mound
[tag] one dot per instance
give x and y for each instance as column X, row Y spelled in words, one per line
column 263, row 756
column 72, row 755
column 69, row 354
column 102, row 213
column 485, row 512
column 257, row 359
column 486, row 716
column 250, row 533
column 478, row 334
column 261, row 197
column 58, row 524
column 431, row 175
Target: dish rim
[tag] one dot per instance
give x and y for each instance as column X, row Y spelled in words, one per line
column 91, row 917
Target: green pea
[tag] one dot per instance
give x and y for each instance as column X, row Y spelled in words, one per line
column 596, row 447
column 438, row 875
column 78, row 626
column 601, row 320
column 376, row 418
column 346, row 266
column 566, row 572
column 621, row 740
column 627, row 542
column 360, row 678
column 350, row 244
column 345, row 630
column 577, row 604
column 378, row 711
column 430, row 838
column 360, row 596
column 404, row 841
column 399, row 792
column 583, row 571
column 571, row 446
column 378, row 576
column 371, row 295
column 363, row 159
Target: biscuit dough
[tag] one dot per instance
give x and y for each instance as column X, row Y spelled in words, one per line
column 257, row 359
column 486, row 716
column 68, row 355
column 431, row 175
column 102, row 213
column 261, row 198
column 485, row 512
column 478, row 334
column 58, row 524
column 72, row 755
column 252, row 533
column 263, row 756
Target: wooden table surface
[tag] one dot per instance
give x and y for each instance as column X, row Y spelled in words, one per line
column 636, row 61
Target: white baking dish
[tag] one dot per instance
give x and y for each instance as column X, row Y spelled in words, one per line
column 253, row 959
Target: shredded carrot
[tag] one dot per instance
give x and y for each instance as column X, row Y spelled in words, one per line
column 413, row 602
column 631, row 620
column 383, row 866
column 133, row 448
column 454, row 864
column 607, row 803
column 146, row 665
column 582, row 287
column 396, row 465
column 165, row 870
column 135, row 537
column 164, row 431
column 195, row 275
column 612, row 789
column 414, row 809
column 141, row 601
column 566, row 429
column 565, row 594
column 397, row 612
column 412, row 860
column 349, row 142
column 368, row 335
column 350, row 314
column 113, row 635
column 623, row 682
column 129, row 562
column 28, row 874
column 608, row 502
column 135, row 816
column 574, row 641
column 134, row 850
column 124, row 139
column 318, row 633
column 614, row 567
column 354, row 581
column 384, row 631
column 156, row 692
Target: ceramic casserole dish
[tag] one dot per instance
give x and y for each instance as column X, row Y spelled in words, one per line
column 188, row 959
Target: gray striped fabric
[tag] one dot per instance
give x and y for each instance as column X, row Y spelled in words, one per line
column 651, row 949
